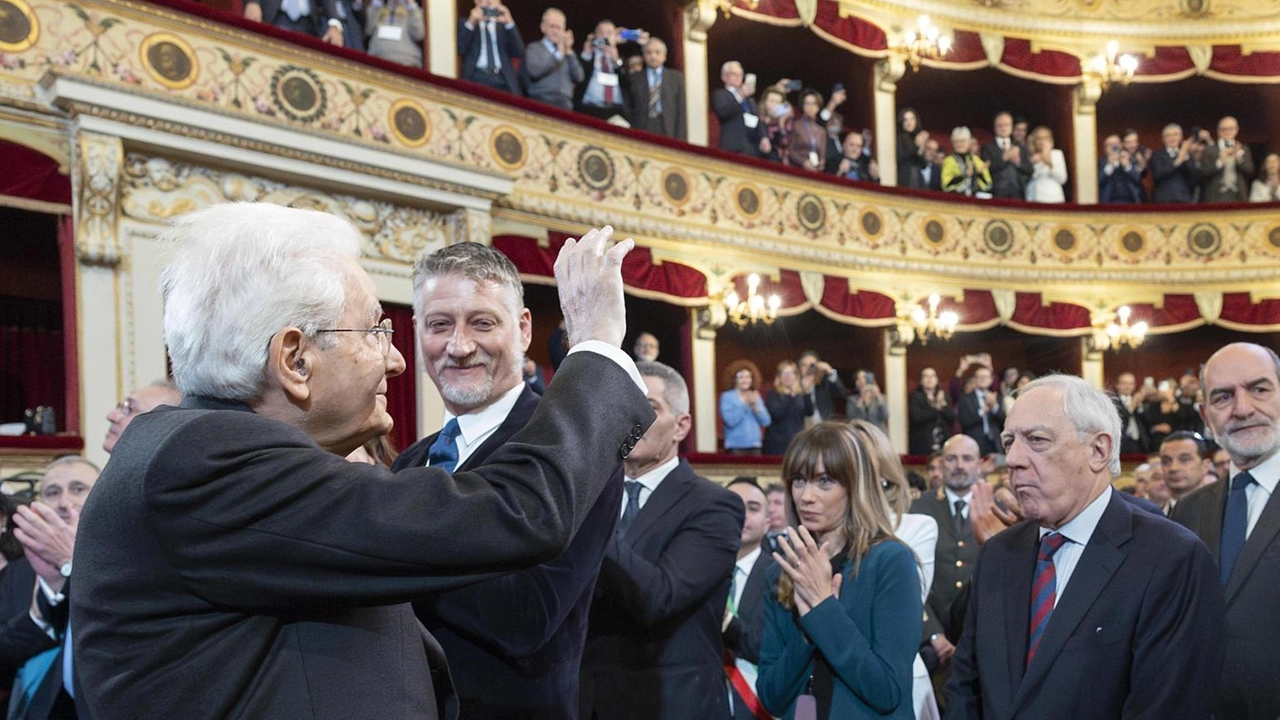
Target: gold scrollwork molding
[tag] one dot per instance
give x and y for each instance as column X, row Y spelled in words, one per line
column 99, row 159
column 699, row 16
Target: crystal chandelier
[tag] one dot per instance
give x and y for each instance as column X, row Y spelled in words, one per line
column 752, row 309
column 924, row 42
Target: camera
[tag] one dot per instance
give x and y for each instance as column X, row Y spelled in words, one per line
column 794, row 86
column 630, row 35
column 492, row 12
column 837, row 88
column 600, row 42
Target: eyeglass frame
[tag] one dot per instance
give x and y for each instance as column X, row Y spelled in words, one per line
column 383, row 330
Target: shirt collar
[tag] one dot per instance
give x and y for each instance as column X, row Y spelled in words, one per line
column 550, row 45
column 477, row 424
column 1265, row 474
column 749, row 561
column 652, row 479
column 952, row 497
column 1081, row 527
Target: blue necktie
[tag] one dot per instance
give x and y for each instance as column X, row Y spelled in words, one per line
column 443, row 453
column 1234, row 524
column 633, row 507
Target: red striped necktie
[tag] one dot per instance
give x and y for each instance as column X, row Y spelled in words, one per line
column 1044, row 590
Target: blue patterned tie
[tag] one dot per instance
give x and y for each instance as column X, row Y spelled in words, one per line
column 1234, row 524
column 1044, row 590
column 443, row 453
column 632, row 509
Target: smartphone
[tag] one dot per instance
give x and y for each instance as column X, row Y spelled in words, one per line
column 837, row 88
column 630, row 35
column 1149, row 382
column 492, row 12
column 794, row 86
column 870, row 378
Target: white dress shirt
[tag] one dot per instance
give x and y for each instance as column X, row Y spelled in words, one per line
column 741, row 571
column 1259, row 492
column 650, row 482
column 1077, row 532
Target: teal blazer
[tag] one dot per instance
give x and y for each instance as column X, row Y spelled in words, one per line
column 869, row 637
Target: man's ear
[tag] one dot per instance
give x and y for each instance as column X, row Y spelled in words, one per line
column 290, row 362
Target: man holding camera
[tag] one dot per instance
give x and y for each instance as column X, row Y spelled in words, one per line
column 603, row 95
column 1226, row 165
column 1119, row 174
column 822, row 383
column 487, row 42
column 549, row 68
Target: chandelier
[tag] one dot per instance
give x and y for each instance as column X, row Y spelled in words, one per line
column 924, row 42
column 925, row 325
column 752, row 309
column 1110, row 67
column 1114, row 335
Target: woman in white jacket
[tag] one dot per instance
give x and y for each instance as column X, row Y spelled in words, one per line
column 1048, row 169
column 918, row 532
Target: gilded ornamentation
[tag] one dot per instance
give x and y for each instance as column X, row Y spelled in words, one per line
column 169, row 60
column 19, row 26
column 409, row 123
column 156, row 190
column 97, row 182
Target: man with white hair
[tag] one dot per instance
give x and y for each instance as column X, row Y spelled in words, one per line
column 1239, row 520
column 234, row 564
column 741, row 130
column 1090, row 608
column 655, row 94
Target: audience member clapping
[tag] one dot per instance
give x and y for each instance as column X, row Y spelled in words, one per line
column 854, row 164
column 1267, row 187
column 868, row 402
column 929, row 414
column 963, row 171
column 788, row 405
column 1048, row 169
column 1119, row 179
column 1174, row 172
column 395, row 29
column 549, row 70
column 1008, row 159
column 911, row 149
column 743, row 411
column 1226, row 166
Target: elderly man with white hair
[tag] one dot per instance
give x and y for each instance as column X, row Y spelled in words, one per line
column 1091, row 608
column 233, row 564
column 741, row 129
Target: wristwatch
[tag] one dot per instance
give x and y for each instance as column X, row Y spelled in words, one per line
column 65, row 570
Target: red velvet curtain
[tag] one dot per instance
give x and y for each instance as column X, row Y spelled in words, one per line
column 31, row 358
column 402, row 390
column 32, row 175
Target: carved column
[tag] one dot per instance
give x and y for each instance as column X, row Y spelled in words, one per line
column 471, row 225
column 1084, row 131
column 442, row 37
column 888, row 72
column 702, row 356
column 99, row 161
column 699, row 16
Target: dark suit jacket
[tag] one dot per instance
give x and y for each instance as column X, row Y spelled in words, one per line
column 1128, row 444
column 745, row 633
column 1138, row 632
column 831, row 398
column 51, row 700
column 514, row 643
column 1212, row 175
column 954, row 557
column 654, row 650
column 674, row 124
column 735, row 136
column 1121, row 186
column 227, row 566
column 321, row 12
column 510, row 47
column 971, row 422
column 21, row 639
column 1008, row 180
column 923, row 419
column 1249, row 690
column 934, row 182
column 1173, row 183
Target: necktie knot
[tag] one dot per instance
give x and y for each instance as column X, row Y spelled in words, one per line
column 633, row 490
column 443, row 453
column 1235, row 526
column 1241, row 481
column 1050, row 544
column 960, row 506
column 632, row 509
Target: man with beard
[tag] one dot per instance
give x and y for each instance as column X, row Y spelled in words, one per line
column 1239, row 521
column 957, row 549
column 514, row 643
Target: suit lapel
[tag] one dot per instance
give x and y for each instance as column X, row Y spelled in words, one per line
column 1015, row 605
column 753, row 590
column 1264, row 533
column 673, row 487
column 1209, row 524
column 1100, row 560
column 516, row 419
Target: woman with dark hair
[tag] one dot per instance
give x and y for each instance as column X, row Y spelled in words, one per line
column 807, row 141
column 742, row 411
column 843, row 624
column 910, row 149
column 929, row 415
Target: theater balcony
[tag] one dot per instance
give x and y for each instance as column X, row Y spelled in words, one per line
column 126, row 114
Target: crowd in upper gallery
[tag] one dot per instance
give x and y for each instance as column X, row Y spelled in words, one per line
column 619, row 75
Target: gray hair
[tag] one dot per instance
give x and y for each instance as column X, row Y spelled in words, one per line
column 1087, row 408
column 242, row 273
column 658, row 41
column 728, row 64
column 676, row 392
column 71, row 460
column 1171, row 126
column 961, row 133
column 478, row 263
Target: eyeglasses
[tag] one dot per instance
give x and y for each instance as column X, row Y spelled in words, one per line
column 125, row 408
column 382, row 332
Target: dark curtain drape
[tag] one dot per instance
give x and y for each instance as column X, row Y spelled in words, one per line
column 32, row 364
column 402, row 390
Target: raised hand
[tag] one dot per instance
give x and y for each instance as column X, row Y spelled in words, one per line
column 589, row 280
